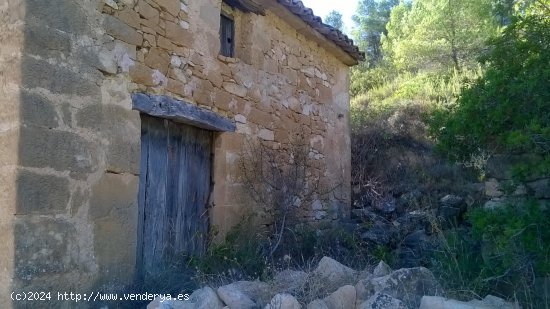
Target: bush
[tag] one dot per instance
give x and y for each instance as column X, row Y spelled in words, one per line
column 503, row 253
column 506, row 110
column 517, row 239
column 242, row 255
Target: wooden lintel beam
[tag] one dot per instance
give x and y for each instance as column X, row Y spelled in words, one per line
column 180, row 111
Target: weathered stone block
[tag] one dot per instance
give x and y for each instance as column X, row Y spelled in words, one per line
column 112, row 192
column 59, row 79
column 235, row 89
column 121, row 128
column 115, row 240
column 123, row 154
column 44, row 246
column 158, row 59
column 46, row 42
column 147, row 11
column 60, row 150
column 141, row 74
column 171, row 6
column 266, row 134
column 121, row 30
column 41, row 194
column 64, row 15
column 129, row 16
column 178, row 35
column 37, row 110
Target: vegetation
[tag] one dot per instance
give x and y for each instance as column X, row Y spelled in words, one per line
column 461, row 81
column 334, row 18
column 506, row 109
column 503, row 253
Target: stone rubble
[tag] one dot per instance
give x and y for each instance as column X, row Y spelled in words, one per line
column 406, row 288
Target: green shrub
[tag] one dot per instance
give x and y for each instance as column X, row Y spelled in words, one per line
column 515, row 238
column 507, row 109
column 502, row 254
column 240, row 256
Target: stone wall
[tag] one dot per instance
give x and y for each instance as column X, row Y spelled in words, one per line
column 502, row 189
column 70, row 143
column 279, row 83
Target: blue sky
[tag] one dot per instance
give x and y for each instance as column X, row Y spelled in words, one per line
column 323, row 7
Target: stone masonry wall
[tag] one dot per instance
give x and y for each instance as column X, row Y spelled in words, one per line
column 70, row 143
column 279, row 83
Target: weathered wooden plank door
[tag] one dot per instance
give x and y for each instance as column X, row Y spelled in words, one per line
column 175, row 182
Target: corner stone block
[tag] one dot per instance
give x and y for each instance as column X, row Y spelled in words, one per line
column 36, row 109
column 46, row 42
column 63, row 15
column 60, row 150
column 44, row 246
column 122, row 129
column 58, row 79
column 41, row 194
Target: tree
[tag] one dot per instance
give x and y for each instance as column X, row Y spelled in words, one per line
column 371, row 19
column 506, row 110
column 334, row 19
column 438, row 35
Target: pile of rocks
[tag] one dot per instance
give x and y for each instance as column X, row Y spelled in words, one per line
column 333, row 285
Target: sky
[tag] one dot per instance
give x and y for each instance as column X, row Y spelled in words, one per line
column 323, row 7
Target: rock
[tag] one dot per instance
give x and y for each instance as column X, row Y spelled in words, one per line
column 407, row 284
column 415, row 249
column 363, row 290
column 449, row 214
column 382, row 301
column 334, row 274
column 413, row 221
column 495, row 203
column 235, row 299
column 540, row 188
column 257, row 291
column 317, row 304
column 289, row 281
column 451, row 207
column 489, row 302
column 410, row 199
column 205, row 298
column 342, row 298
column 452, row 200
column 381, row 270
column 381, row 233
column 283, row 301
column 387, row 205
column 492, row 188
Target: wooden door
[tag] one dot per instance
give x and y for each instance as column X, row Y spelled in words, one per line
column 174, row 189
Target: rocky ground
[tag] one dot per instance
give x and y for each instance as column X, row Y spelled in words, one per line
column 332, row 285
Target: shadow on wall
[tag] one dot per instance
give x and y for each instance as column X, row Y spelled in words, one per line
column 78, row 158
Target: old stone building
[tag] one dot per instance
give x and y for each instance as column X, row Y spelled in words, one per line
column 115, row 112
